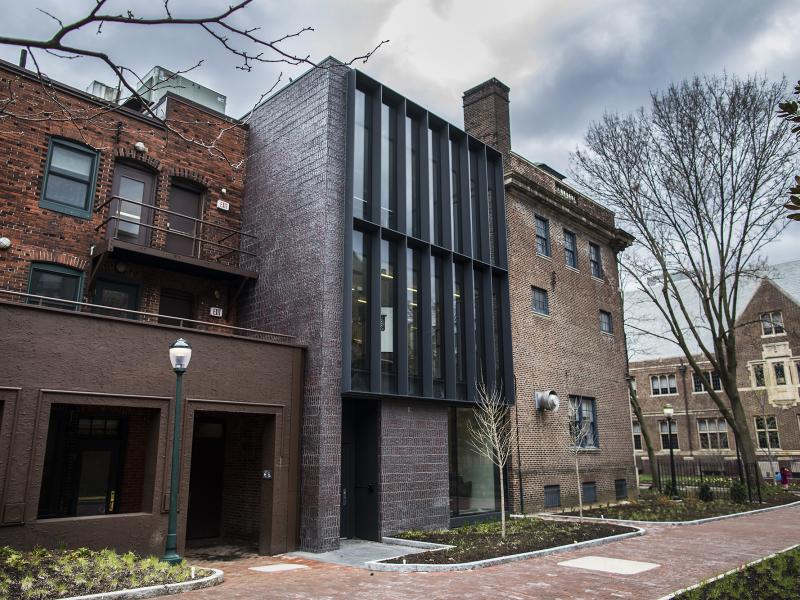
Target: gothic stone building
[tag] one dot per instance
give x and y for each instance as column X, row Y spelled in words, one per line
column 768, row 376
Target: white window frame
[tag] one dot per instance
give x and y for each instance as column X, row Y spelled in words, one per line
column 714, row 426
column 770, row 322
column 670, row 378
column 662, row 425
column 766, row 431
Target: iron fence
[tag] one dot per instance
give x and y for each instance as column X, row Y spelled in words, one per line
column 712, row 477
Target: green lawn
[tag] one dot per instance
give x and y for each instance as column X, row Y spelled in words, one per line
column 52, row 574
column 777, row 578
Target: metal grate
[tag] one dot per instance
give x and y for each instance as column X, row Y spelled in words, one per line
column 589, row 492
column 621, row 488
column 552, row 496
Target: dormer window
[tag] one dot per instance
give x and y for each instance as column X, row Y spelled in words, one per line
column 772, row 323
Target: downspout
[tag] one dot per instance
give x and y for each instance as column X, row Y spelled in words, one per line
column 519, row 454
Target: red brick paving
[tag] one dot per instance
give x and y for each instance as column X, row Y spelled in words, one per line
column 686, row 554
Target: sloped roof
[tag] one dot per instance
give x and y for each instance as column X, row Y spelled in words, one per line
column 649, row 336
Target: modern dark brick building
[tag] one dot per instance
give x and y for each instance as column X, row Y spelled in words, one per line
column 768, row 378
column 566, row 317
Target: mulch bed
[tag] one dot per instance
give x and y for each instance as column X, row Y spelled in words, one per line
column 481, row 541
column 43, row 573
column 774, row 579
column 655, row 507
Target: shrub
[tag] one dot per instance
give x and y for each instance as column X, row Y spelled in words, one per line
column 738, row 493
column 704, row 493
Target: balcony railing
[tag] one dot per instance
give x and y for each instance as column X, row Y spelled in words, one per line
column 141, row 316
column 147, row 225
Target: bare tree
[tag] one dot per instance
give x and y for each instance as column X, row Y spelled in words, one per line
column 224, row 29
column 490, row 435
column 580, row 435
column 699, row 180
column 790, row 110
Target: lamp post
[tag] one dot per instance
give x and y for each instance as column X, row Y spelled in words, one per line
column 668, row 412
column 180, row 353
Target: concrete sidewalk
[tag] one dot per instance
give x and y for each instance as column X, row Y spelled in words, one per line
column 684, row 555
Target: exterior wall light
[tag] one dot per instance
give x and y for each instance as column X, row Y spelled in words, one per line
column 547, row 400
column 180, row 353
column 5, row 243
column 140, row 147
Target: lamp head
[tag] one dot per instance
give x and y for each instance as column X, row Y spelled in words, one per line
column 180, row 353
column 668, row 411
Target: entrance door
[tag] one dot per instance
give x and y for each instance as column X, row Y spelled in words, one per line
column 206, row 479
column 359, row 508
column 134, row 191
column 183, row 231
column 178, row 304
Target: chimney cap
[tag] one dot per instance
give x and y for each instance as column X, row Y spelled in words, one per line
column 494, row 82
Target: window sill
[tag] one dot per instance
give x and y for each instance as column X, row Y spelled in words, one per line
column 545, row 256
column 772, row 335
column 663, row 395
column 600, row 279
column 63, row 209
column 539, row 314
column 571, row 268
column 608, row 333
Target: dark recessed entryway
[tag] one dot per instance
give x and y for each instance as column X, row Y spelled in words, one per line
column 359, row 492
column 227, row 488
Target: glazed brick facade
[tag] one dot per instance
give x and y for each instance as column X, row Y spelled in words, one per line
column 564, row 351
column 783, row 403
column 294, row 204
column 41, row 234
column 413, row 466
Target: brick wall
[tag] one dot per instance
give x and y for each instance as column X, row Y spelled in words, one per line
column 414, row 490
column 294, row 203
column 486, row 115
column 564, row 351
column 40, row 234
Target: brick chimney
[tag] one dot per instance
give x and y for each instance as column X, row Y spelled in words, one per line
column 486, row 115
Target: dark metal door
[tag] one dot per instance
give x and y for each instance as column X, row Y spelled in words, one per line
column 359, row 487
column 130, row 211
column 205, row 480
column 183, row 231
column 347, row 491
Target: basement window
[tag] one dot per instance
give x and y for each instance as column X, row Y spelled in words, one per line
column 99, row 460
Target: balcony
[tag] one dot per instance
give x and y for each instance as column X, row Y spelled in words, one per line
column 164, row 238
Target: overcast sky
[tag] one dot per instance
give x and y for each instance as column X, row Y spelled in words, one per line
column 566, row 61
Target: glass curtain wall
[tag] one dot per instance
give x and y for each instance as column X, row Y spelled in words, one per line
column 455, row 188
column 437, row 326
column 474, row 480
column 388, row 166
column 458, row 329
column 475, row 203
column 413, row 216
column 414, row 267
column 435, row 183
column 362, row 153
column 387, row 324
column 480, row 338
column 360, row 306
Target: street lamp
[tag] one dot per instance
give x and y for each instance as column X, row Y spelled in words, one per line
column 668, row 412
column 180, row 353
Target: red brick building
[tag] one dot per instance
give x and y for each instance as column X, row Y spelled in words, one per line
column 566, row 318
column 768, row 378
column 122, row 235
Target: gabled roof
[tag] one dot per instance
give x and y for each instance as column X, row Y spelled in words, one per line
column 646, row 328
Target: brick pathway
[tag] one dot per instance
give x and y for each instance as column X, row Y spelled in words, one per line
column 686, row 555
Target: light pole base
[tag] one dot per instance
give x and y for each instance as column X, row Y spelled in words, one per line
column 171, row 555
column 172, row 558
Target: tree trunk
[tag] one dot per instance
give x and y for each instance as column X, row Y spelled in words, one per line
column 580, row 489
column 651, row 453
column 502, row 505
column 746, row 446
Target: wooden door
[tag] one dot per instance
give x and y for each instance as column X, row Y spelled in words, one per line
column 131, row 210
column 183, row 230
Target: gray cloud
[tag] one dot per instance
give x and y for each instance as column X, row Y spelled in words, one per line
column 566, row 61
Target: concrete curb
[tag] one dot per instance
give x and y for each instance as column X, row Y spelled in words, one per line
column 726, row 573
column 414, row 544
column 651, row 523
column 152, row 591
column 376, row 565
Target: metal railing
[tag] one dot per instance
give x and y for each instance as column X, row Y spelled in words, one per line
column 140, row 316
column 208, row 239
